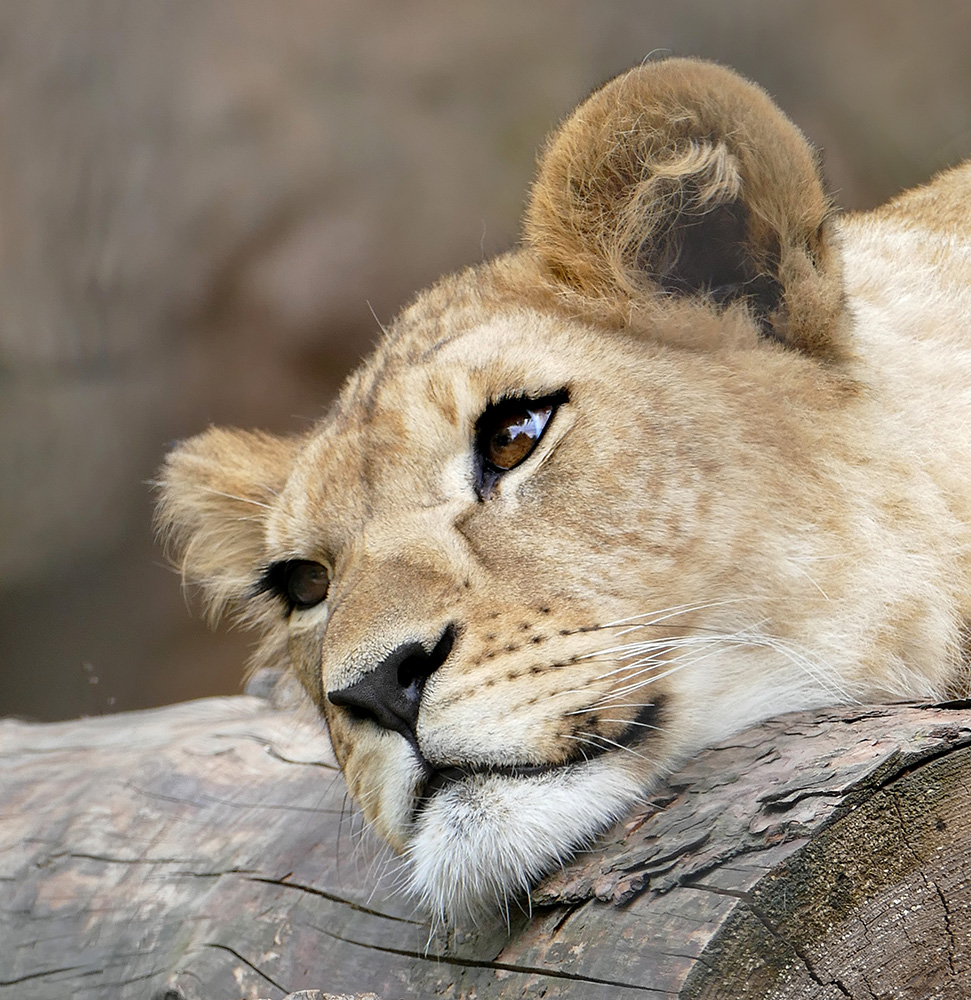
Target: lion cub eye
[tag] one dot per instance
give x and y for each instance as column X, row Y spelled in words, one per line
column 302, row 583
column 306, row 583
column 506, row 435
column 513, row 437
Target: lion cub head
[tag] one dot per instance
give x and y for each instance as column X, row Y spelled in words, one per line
column 564, row 526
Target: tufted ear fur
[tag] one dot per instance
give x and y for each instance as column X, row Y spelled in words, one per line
column 216, row 490
column 679, row 178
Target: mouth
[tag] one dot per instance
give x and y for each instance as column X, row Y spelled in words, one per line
column 439, row 778
column 442, row 777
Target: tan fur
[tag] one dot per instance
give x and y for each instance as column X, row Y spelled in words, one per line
column 756, row 497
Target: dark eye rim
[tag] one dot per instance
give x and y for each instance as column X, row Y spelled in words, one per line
column 486, row 474
column 277, row 577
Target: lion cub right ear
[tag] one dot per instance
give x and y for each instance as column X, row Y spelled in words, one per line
column 216, row 491
column 679, row 179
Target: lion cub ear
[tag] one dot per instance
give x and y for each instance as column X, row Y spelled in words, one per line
column 679, row 178
column 216, row 492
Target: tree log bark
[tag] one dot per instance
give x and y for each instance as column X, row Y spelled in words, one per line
column 207, row 851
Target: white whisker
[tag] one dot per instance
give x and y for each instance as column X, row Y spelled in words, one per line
column 627, row 704
column 598, row 741
column 663, row 614
column 233, row 496
column 634, row 722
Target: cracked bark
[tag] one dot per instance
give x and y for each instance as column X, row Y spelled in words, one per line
column 206, row 852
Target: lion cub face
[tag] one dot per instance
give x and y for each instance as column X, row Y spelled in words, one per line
column 575, row 517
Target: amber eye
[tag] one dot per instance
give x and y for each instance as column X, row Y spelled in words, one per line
column 514, row 436
column 305, row 583
column 507, row 433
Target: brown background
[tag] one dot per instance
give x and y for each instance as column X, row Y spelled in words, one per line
column 201, row 203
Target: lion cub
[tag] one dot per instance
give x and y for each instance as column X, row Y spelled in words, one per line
column 697, row 452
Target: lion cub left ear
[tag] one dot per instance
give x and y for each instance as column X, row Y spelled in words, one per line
column 216, row 492
column 680, row 179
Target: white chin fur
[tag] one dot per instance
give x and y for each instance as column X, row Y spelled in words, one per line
column 485, row 840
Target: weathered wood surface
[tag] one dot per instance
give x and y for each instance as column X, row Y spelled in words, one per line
column 206, row 851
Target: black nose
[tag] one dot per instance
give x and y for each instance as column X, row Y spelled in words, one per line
column 390, row 693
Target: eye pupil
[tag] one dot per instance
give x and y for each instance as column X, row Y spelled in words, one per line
column 307, row 583
column 511, row 444
column 515, row 436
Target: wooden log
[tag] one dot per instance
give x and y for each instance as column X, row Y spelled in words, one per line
column 207, row 851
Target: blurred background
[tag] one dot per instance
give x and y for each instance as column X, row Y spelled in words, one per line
column 203, row 203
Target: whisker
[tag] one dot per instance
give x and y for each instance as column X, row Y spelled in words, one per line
column 643, row 683
column 638, row 649
column 745, row 639
column 592, row 739
column 634, row 722
column 233, row 496
column 663, row 614
column 627, row 704
column 689, row 658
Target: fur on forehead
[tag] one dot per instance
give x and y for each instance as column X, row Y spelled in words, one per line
column 511, row 311
column 498, row 353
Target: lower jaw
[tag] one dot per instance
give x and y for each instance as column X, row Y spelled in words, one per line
column 480, row 843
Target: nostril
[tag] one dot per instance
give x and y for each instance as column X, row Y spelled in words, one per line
column 411, row 678
column 414, row 670
column 390, row 693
